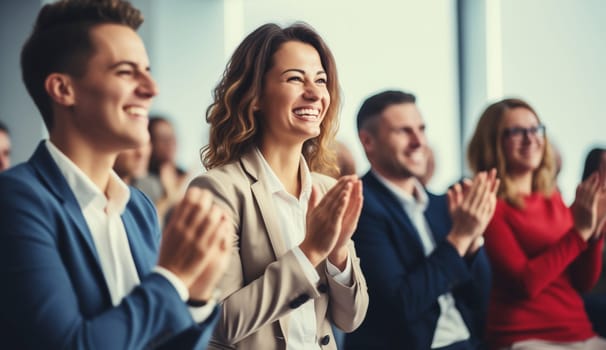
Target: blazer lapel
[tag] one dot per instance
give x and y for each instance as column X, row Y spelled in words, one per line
column 252, row 165
column 397, row 213
column 142, row 261
column 49, row 173
column 437, row 216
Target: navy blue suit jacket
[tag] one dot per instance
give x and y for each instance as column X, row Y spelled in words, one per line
column 404, row 284
column 53, row 293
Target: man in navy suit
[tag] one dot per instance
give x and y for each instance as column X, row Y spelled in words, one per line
column 81, row 261
column 428, row 277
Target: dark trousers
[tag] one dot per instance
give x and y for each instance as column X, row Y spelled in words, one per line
column 595, row 305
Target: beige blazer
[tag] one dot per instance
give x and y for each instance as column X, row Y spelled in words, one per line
column 264, row 281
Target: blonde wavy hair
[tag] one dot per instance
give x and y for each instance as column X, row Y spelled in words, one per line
column 485, row 151
column 235, row 128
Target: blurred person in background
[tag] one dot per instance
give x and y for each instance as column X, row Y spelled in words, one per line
column 427, row 273
column 166, row 181
column 5, row 147
column 595, row 300
column 131, row 164
column 543, row 254
column 345, row 160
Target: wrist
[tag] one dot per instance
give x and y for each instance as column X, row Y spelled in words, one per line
column 475, row 245
column 202, row 300
column 460, row 242
column 585, row 234
column 338, row 257
column 311, row 254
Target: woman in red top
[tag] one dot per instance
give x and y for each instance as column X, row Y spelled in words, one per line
column 543, row 254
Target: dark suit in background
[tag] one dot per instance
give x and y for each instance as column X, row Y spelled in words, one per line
column 404, row 284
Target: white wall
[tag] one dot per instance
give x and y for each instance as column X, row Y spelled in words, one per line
column 185, row 43
column 550, row 53
column 17, row 109
column 560, row 67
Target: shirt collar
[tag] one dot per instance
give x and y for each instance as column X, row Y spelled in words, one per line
column 86, row 192
column 418, row 200
column 275, row 185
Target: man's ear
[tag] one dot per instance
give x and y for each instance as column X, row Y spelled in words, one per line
column 60, row 89
column 367, row 140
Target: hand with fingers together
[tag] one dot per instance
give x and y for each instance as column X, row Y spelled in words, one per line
column 218, row 256
column 338, row 255
column 471, row 206
column 195, row 243
column 584, row 209
column 600, row 230
column 325, row 220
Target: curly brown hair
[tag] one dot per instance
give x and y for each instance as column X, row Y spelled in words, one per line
column 485, row 151
column 234, row 127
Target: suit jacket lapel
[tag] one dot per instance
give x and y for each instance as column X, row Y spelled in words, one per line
column 437, row 216
column 135, row 241
column 252, row 165
column 395, row 210
column 51, row 176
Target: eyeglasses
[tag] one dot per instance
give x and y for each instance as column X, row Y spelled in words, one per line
column 518, row 134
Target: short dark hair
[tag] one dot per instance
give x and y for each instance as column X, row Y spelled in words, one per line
column 375, row 104
column 4, row 128
column 60, row 42
column 592, row 162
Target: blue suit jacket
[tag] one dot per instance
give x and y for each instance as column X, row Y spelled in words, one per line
column 404, row 284
column 53, row 293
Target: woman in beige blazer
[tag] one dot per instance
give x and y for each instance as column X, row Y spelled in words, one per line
column 294, row 269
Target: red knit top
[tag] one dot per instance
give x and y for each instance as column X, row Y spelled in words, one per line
column 540, row 264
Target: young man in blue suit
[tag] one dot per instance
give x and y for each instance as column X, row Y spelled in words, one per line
column 81, row 261
column 428, row 277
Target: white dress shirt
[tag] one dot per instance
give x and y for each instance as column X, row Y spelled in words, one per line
column 102, row 213
column 450, row 328
column 292, row 212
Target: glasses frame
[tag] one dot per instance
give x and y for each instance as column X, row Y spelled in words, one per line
column 519, row 133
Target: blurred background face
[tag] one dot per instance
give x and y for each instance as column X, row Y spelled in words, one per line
column 5, row 151
column 133, row 163
column 164, row 142
column 345, row 161
column 399, row 147
column 602, row 200
column 523, row 141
